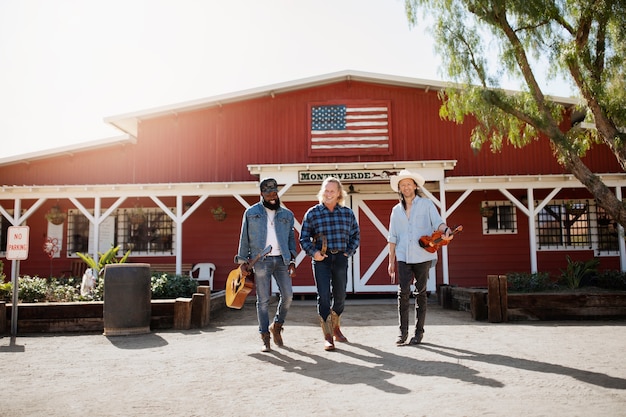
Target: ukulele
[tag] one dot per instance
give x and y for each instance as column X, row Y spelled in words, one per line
column 433, row 242
column 238, row 287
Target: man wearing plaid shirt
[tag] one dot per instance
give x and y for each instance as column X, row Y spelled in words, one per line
column 330, row 235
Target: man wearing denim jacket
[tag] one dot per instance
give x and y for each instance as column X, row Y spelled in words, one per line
column 264, row 224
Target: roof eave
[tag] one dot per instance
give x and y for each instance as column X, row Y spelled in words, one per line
column 68, row 150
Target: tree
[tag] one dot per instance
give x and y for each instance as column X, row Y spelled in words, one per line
column 483, row 41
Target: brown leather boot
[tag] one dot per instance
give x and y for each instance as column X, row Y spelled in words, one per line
column 327, row 328
column 339, row 337
column 265, row 337
column 275, row 329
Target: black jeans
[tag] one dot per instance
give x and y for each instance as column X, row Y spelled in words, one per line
column 407, row 275
column 331, row 279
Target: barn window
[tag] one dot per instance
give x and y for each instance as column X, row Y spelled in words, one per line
column 564, row 225
column 499, row 217
column 147, row 235
column 608, row 233
column 151, row 233
column 80, row 234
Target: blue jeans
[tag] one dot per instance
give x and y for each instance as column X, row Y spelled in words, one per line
column 263, row 271
column 331, row 278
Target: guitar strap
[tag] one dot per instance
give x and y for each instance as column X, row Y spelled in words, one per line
column 324, row 242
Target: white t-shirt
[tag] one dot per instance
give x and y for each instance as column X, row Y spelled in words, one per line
column 271, row 233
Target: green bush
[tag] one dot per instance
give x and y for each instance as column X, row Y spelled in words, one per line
column 38, row 290
column 611, row 279
column 32, row 289
column 6, row 291
column 172, row 286
column 63, row 290
column 527, row 282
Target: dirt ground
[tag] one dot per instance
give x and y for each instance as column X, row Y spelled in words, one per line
column 462, row 368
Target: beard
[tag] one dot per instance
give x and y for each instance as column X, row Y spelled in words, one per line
column 271, row 206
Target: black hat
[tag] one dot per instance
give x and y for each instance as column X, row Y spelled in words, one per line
column 269, row 185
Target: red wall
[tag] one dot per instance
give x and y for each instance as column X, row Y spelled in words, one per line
column 217, row 144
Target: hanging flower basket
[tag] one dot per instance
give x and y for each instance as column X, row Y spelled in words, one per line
column 137, row 216
column 56, row 215
column 575, row 209
column 219, row 214
column 487, row 211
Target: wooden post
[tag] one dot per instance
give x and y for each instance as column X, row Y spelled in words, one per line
column 497, row 298
column 445, row 293
column 206, row 309
column 182, row 313
column 504, row 297
column 197, row 310
column 478, row 305
column 3, row 317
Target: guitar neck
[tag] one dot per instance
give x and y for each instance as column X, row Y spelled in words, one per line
column 265, row 252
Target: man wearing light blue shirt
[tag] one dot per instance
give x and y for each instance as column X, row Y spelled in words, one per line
column 413, row 217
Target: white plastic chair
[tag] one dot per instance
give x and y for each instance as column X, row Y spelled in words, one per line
column 205, row 272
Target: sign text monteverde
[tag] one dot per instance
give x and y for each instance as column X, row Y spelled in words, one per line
column 352, row 176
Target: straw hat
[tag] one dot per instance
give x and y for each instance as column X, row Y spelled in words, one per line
column 404, row 174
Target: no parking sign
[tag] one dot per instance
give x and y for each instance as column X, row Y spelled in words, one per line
column 17, row 243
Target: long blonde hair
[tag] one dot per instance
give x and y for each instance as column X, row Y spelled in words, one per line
column 342, row 193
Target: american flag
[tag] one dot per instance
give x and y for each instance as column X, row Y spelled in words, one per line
column 362, row 127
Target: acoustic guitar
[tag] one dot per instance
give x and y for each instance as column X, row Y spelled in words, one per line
column 433, row 242
column 237, row 286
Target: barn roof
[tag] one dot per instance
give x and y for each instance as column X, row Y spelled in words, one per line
column 129, row 122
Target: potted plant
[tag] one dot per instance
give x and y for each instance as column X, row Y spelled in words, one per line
column 55, row 215
column 109, row 257
column 219, row 213
column 487, row 211
column 137, row 216
column 575, row 209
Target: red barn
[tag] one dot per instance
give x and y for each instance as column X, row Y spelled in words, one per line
column 155, row 189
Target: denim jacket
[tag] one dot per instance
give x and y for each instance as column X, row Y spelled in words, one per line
column 254, row 233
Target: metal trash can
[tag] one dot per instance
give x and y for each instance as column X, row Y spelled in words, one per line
column 127, row 308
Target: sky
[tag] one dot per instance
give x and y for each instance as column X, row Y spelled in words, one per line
column 66, row 65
